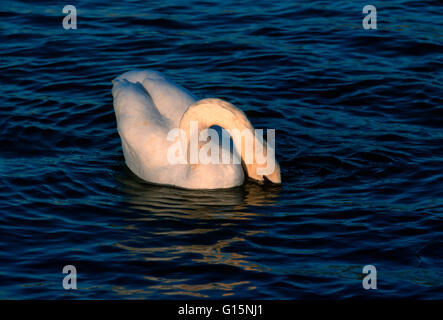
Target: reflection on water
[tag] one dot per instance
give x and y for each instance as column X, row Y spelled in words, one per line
column 170, row 224
column 158, row 199
column 183, row 289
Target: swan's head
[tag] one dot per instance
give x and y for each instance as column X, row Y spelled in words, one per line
column 257, row 156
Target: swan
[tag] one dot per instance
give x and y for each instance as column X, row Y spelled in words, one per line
column 148, row 106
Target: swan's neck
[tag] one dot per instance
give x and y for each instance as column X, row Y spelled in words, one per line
column 215, row 112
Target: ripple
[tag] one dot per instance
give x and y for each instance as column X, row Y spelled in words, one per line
column 358, row 119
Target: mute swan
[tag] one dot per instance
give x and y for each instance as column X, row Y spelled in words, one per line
column 148, row 106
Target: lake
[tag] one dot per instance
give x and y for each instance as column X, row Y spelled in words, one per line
column 358, row 117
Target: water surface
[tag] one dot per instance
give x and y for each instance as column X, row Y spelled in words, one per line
column 359, row 118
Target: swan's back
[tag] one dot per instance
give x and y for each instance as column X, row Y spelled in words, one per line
column 147, row 107
column 170, row 99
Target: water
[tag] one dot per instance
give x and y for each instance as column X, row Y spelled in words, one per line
column 358, row 115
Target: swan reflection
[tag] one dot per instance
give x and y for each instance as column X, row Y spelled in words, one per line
column 159, row 199
column 192, row 228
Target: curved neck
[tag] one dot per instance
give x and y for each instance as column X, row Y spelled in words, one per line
column 216, row 112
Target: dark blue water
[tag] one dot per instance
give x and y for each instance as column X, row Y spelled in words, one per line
column 359, row 118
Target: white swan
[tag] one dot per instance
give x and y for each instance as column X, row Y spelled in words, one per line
column 148, row 106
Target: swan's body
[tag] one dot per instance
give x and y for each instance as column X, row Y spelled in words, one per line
column 147, row 107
